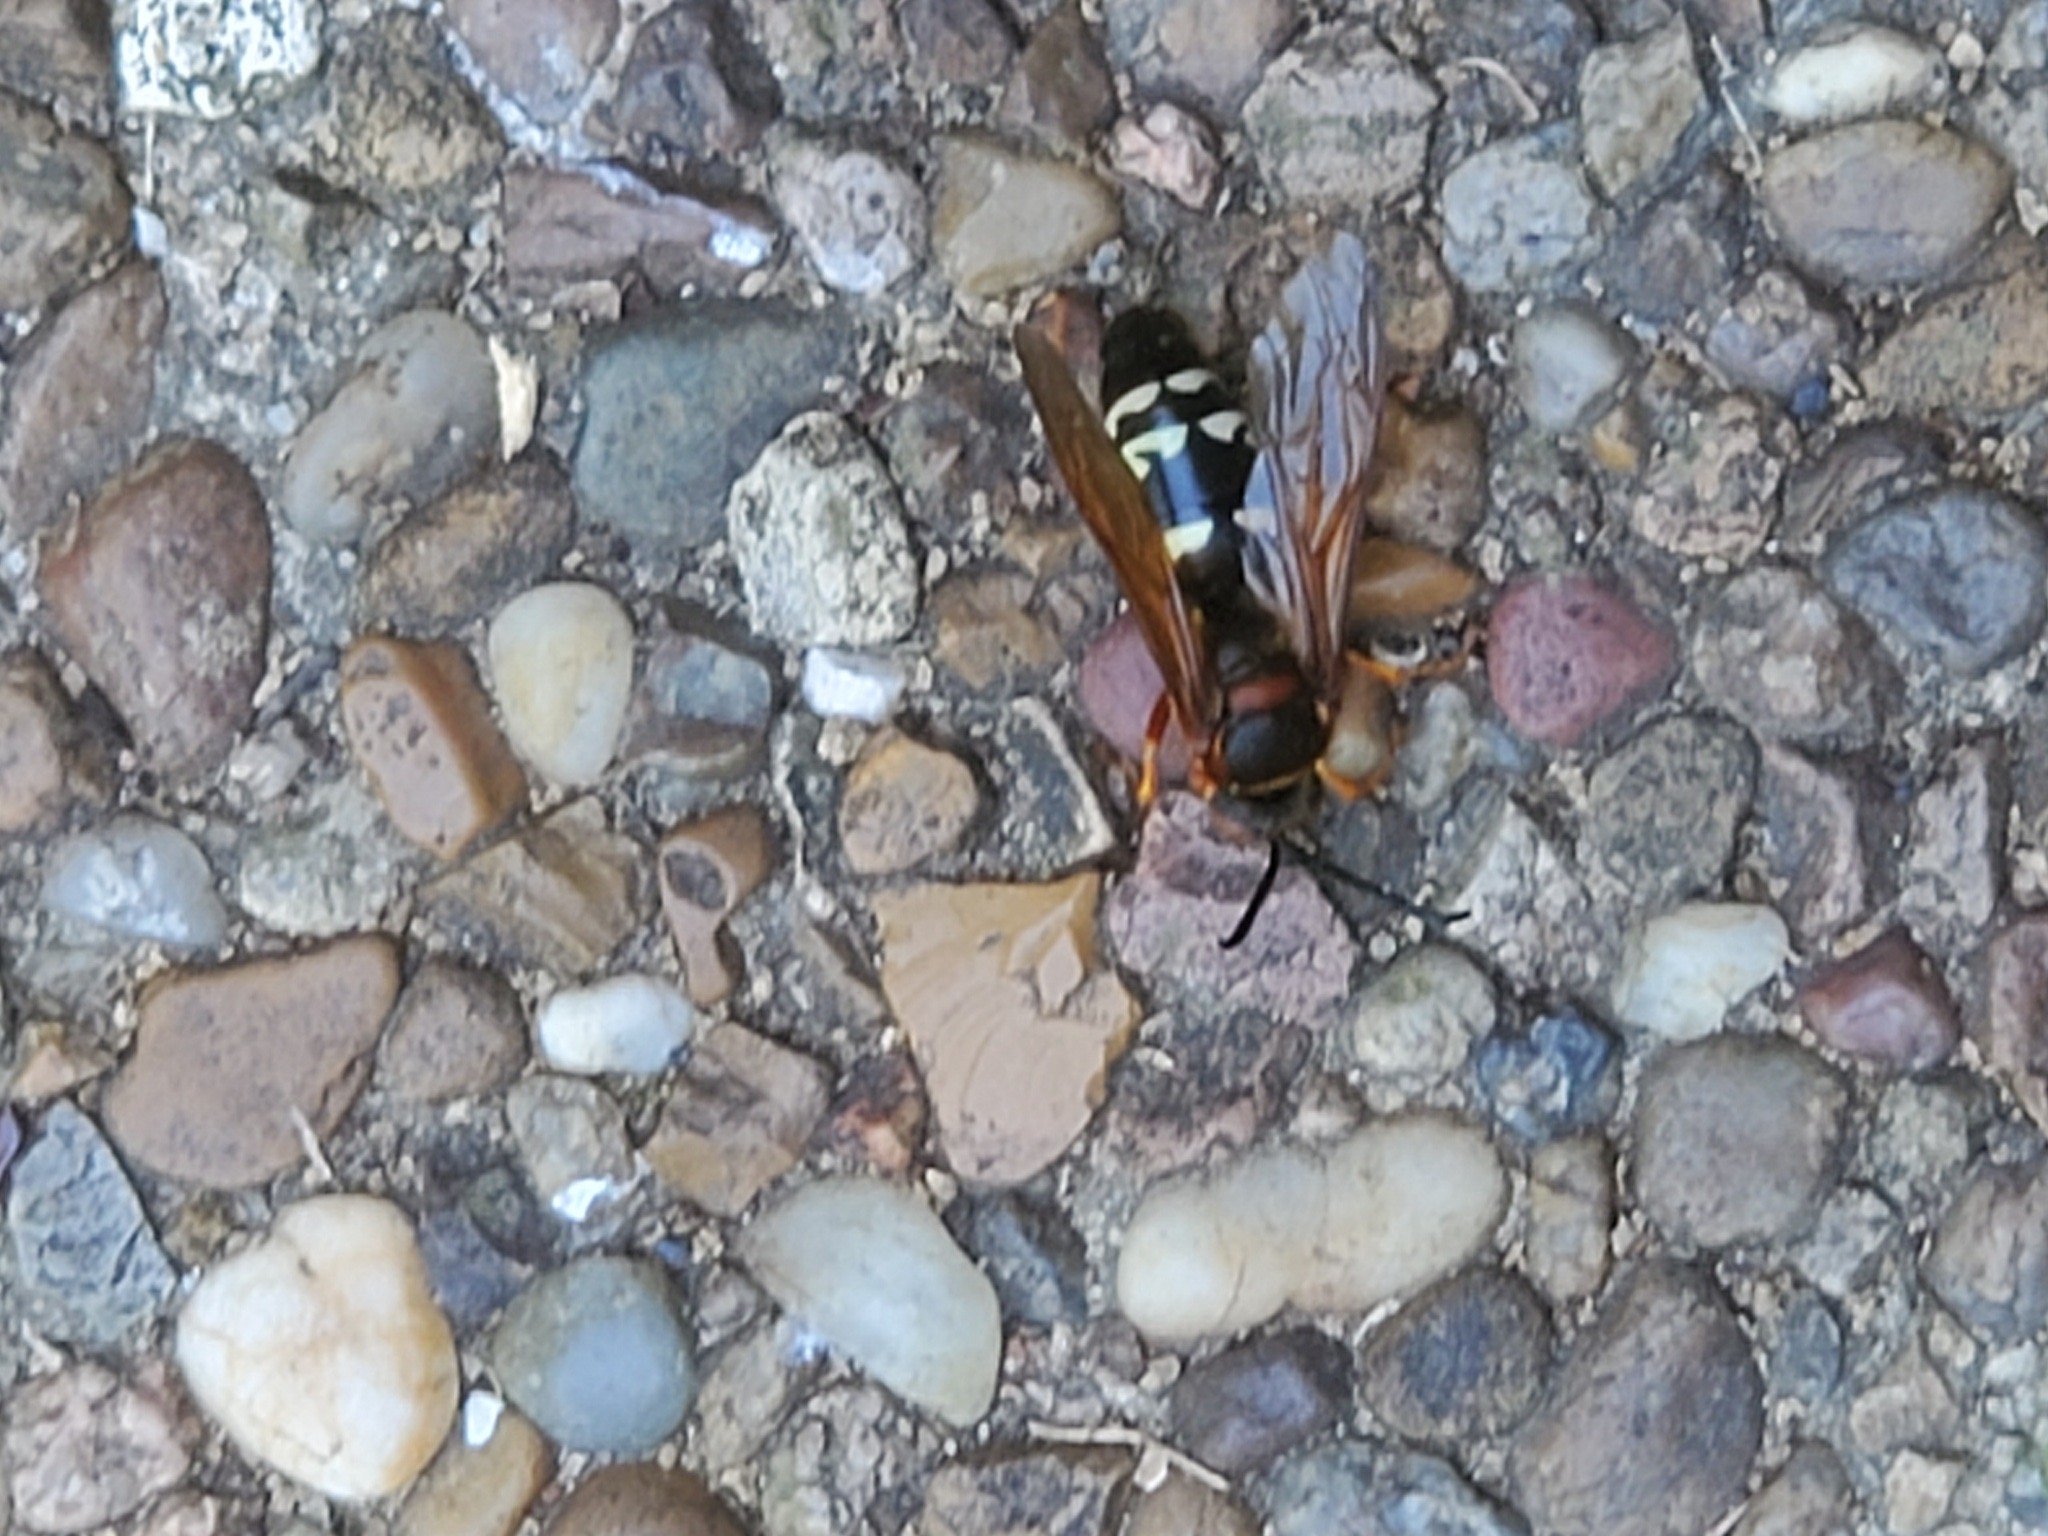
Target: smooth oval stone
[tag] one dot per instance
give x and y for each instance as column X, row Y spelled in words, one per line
column 598, row 1355
column 1004, row 220
column 562, row 672
column 1686, row 969
column 419, row 412
column 1341, row 1230
column 139, row 879
column 871, row 1268
column 629, row 1023
column 320, row 1350
column 1864, row 73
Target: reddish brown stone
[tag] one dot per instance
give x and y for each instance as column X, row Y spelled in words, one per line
column 230, row 1063
column 562, row 228
column 879, row 1114
column 641, row 1499
column 63, row 208
column 160, row 590
column 1566, row 654
column 738, row 1121
column 456, row 1031
column 421, row 727
column 1885, row 1004
column 904, row 803
column 78, row 399
column 1118, row 685
column 707, row 868
column 465, row 555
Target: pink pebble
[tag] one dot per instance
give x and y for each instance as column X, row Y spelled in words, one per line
column 1565, row 654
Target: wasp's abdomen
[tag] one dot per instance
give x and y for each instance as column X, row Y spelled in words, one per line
column 1184, row 437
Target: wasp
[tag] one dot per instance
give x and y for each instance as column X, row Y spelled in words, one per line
column 1236, row 535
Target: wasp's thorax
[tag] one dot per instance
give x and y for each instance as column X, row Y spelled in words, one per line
column 1185, row 438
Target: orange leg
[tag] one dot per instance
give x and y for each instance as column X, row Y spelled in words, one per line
column 1148, row 767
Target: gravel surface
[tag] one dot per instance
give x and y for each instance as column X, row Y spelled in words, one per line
column 577, row 953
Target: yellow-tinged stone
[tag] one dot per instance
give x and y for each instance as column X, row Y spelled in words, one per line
column 321, row 1351
column 1013, row 1018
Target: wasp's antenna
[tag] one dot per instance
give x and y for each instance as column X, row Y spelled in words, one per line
column 1432, row 920
column 1259, row 895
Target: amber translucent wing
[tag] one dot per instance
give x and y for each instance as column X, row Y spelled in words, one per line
column 1318, row 387
column 1114, row 506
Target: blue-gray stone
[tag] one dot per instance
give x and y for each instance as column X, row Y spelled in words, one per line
column 1350, row 1486
column 90, row 1268
column 1558, row 1076
column 598, row 1355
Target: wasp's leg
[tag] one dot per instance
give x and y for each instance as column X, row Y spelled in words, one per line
column 1365, row 731
column 1148, row 763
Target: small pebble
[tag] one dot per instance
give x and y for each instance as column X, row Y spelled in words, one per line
column 78, row 397
column 1870, row 72
column 1464, row 1360
column 1883, row 203
column 1663, row 812
column 40, row 744
column 560, row 895
column 571, row 1139
column 567, row 229
column 1958, row 579
column 1975, row 352
column 84, row 1448
column 818, row 535
column 1012, row 1015
column 1352, row 1485
column 1636, row 100
column 1339, row 117
column 1809, row 1494
column 904, row 804
column 1685, row 969
column 456, row 1031
column 1568, row 364
column 1004, row 221
column 2013, row 1032
column 460, row 556
column 419, row 412
column 1737, row 1140
column 1989, row 1259
column 1653, row 1420
column 1060, row 88
column 1208, row 51
column 707, row 867
column 562, row 673
column 678, row 404
column 1812, row 843
column 1250, row 1405
column 645, row 1500
column 1516, row 215
column 1775, row 651
column 740, row 1118
column 64, row 205
column 319, row 1348
column 299, row 1029
column 631, row 1023
column 1571, row 1213
column 694, row 85
column 420, row 727
column 1031, row 1253
column 1340, row 1229
column 88, row 1267
column 541, row 53
column 874, row 1272
column 1170, row 150
column 160, row 590
column 701, row 706
column 1777, row 339
column 1712, row 492
column 598, row 1354
column 1559, row 1075
column 1566, row 654
column 1884, row 1004
column 137, row 878
column 1413, row 1025
column 861, row 219
column 481, row 1486
column 840, row 684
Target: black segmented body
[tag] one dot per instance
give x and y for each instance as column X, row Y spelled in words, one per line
column 1186, row 439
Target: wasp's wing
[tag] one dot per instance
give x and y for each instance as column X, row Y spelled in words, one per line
column 1318, row 386
column 1114, row 506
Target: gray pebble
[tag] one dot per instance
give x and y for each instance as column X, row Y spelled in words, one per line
column 598, row 1355
column 1516, row 214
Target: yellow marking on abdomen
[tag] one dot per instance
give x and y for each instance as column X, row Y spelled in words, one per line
column 1162, row 442
column 1224, row 426
column 1190, row 381
column 1140, row 397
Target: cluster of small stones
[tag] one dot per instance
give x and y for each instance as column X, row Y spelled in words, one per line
column 575, row 944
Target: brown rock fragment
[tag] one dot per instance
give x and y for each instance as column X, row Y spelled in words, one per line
column 561, row 895
column 464, row 555
column 62, row 205
column 228, row 1062
column 78, row 398
column 1012, row 1017
column 83, row 1448
column 541, row 53
column 160, row 590
column 421, row 728
column 642, row 1499
column 38, row 743
column 1429, row 476
column 904, row 803
column 739, row 1119
column 707, row 868
column 2011, row 1026
column 563, row 228
column 1886, row 1004
column 880, row 1113
column 457, row 1030
column 480, row 1490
